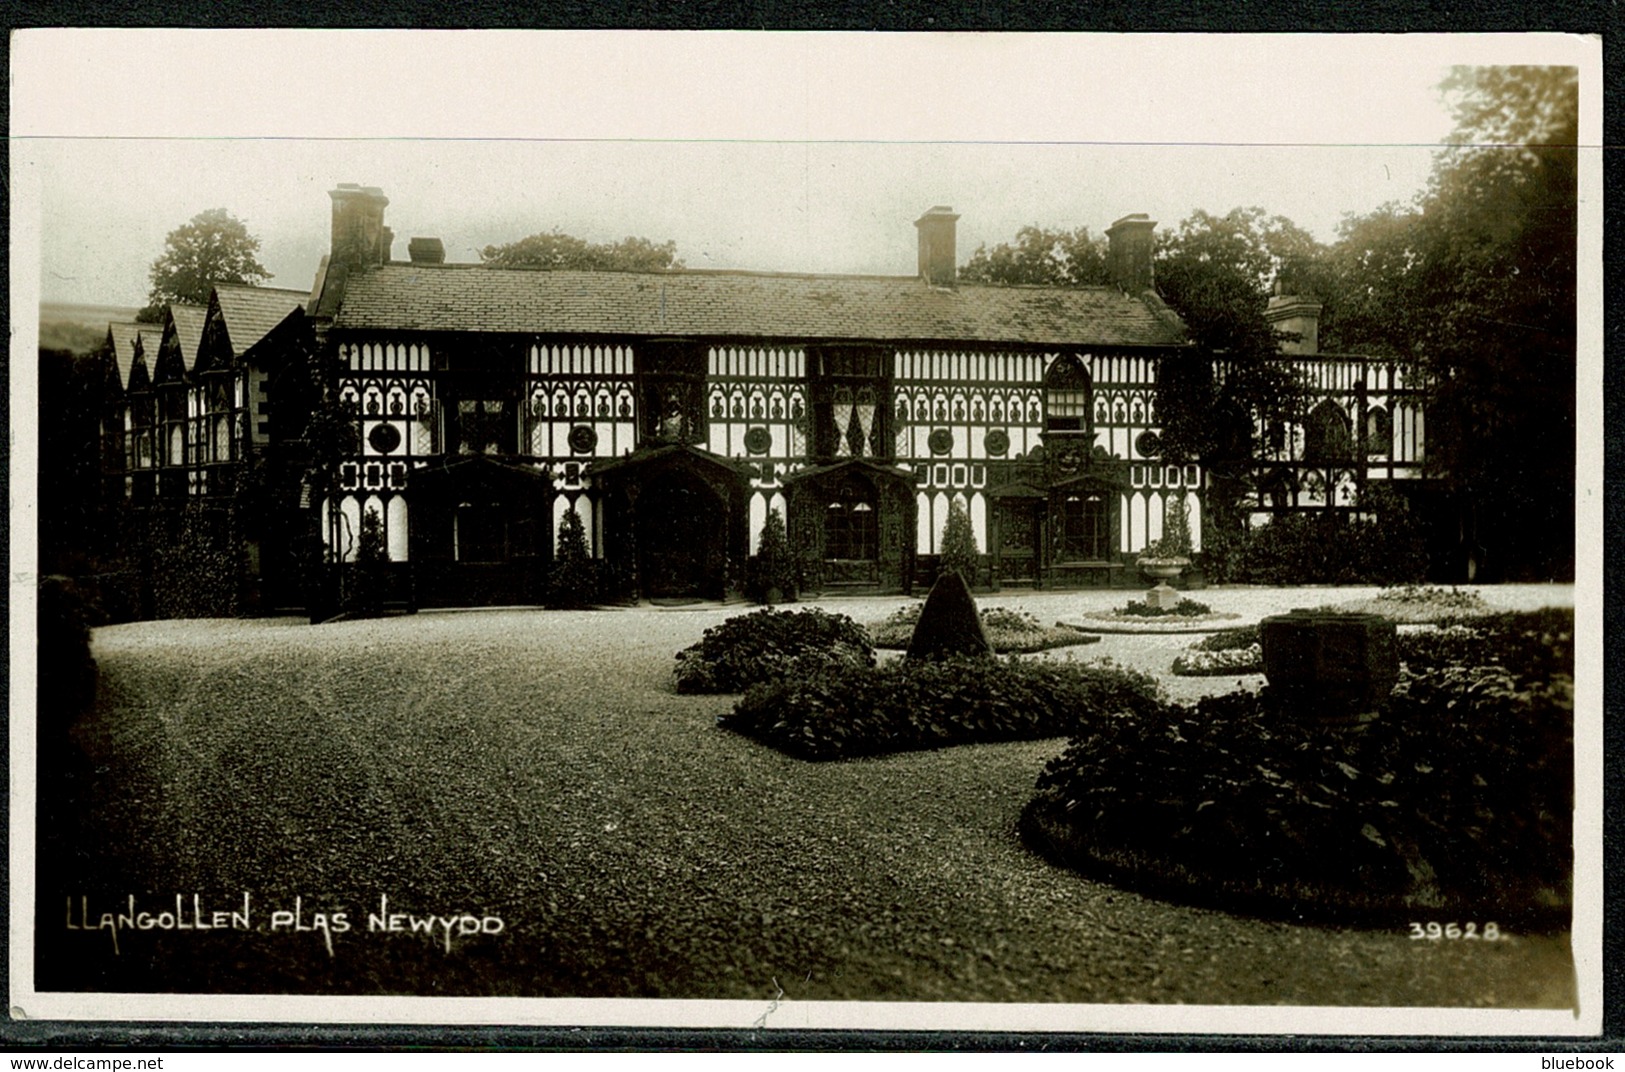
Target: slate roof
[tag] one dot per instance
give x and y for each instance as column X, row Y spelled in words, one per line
column 251, row 312
column 124, row 335
column 189, row 321
column 402, row 297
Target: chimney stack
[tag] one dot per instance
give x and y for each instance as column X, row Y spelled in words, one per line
column 426, row 251
column 1128, row 258
column 937, row 258
column 1298, row 316
column 360, row 239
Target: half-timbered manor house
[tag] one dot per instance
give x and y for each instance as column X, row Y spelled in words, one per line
column 673, row 410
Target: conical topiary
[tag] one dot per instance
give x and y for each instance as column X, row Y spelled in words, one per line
column 770, row 577
column 370, row 576
column 959, row 551
column 949, row 624
column 573, row 583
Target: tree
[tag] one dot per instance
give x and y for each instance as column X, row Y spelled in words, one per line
column 370, row 579
column 1042, row 257
column 573, row 584
column 213, row 247
column 552, row 250
column 771, row 572
column 1473, row 288
column 959, row 551
column 1217, row 273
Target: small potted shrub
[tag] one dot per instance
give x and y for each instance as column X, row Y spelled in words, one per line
column 1168, row 556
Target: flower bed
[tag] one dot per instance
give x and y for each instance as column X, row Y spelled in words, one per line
column 833, row 712
column 1456, row 802
column 1010, row 631
column 1194, row 662
column 768, row 644
column 1419, row 604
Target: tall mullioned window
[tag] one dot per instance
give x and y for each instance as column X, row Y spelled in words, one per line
column 1083, row 527
column 1067, row 392
column 851, row 389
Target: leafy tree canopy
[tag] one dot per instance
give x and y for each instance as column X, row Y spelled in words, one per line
column 553, row 250
column 1217, row 272
column 1042, row 257
column 213, row 247
column 1473, row 286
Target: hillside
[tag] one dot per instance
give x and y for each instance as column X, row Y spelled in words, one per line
column 76, row 327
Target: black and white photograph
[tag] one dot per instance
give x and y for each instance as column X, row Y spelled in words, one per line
column 959, row 532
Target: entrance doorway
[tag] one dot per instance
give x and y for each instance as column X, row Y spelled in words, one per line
column 1019, row 527
column 682, row 539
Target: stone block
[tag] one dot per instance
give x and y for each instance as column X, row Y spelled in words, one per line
column 1334, row 668
column 1163, row 597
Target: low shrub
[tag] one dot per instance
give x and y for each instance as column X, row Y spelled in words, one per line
column 1245, row 636
column 1185, row 608
column 1533, row 646
column 1457, row 800
column 1010, row 631
column 1418, row 604
column 752, row 648
column 835, row 712
column 1313, row 547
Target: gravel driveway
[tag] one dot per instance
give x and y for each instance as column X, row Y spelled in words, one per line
column 536, row 768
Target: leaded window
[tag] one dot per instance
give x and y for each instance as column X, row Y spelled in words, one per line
column 485, row 426
column 1379, row 431
column 1067, row 391
column 1083, row 527
column 852, row 402
column 1327, row 435
column 172, row 403
column 851, row 527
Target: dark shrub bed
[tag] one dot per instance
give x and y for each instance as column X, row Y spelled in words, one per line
column 1533, row 645
column 1455, row 804
column 768, row 644
column 1228, row 639
column 910, row 704
column 1009, row 631
column 1185, row 608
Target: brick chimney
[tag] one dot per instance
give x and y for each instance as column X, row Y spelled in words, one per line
column 360, row 241
column 360, row 238
column 937, row 258
column 426, row 251
column 1128, row 258
column 1298, row 316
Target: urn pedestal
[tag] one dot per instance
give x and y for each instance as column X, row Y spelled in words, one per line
column 1327, row 668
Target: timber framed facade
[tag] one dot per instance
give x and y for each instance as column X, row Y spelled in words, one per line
column 672, row 411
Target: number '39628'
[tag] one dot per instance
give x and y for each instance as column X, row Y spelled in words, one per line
column 1434, row 932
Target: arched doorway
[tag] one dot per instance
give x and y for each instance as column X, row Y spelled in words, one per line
column 681, row 533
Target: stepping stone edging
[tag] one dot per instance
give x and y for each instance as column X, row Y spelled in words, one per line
column 1113, row 623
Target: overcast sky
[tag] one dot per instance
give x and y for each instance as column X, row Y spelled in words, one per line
column 783, row 151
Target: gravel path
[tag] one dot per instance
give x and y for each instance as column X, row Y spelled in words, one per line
column 536, row 766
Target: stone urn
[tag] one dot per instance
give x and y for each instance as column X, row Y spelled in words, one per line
column 1332, row 669
column 1162, row 568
